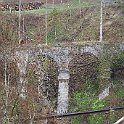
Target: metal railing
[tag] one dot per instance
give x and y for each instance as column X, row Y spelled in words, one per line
column 120, row 121
column 76, row 114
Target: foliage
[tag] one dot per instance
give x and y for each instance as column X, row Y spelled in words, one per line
column 111, row 116
column 87, row 101
column 31, row 76
column 118, row 60
column 56, row 31
column 92, row 86
column 8, row 35
column 104, row 67
column 74, row 4
column 118, row 88
column 119, row 91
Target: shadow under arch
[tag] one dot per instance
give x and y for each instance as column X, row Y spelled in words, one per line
column 52, row 81
column 117, row 66
column 50, row 85
column 83, row 67
column 49, row 68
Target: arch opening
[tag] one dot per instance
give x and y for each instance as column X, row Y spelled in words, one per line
column 83, row 68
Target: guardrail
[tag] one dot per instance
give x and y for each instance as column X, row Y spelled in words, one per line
column 76, row 114
column 120, row 121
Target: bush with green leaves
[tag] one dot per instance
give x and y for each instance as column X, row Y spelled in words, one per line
column 86, row 101
column 118, row 60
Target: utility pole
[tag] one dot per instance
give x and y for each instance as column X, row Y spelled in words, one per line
column 101, row 12
column 80, row 8
column 23, row 27
column 80, row 14
column 53, row 3
column 19, row 30
column 46, row 19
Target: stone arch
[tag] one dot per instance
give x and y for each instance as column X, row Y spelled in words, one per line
column 90, row 49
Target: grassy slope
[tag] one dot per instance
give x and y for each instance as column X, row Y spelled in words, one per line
column 113, row 23
column 71, row 5
column 84, row 27
column 112, row 20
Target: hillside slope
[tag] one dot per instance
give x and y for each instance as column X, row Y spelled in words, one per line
column 82, row 25
column 75, row 25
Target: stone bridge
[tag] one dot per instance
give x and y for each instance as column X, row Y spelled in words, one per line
column 62, row 54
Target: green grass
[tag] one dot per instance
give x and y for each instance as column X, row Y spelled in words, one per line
column 74, row 4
